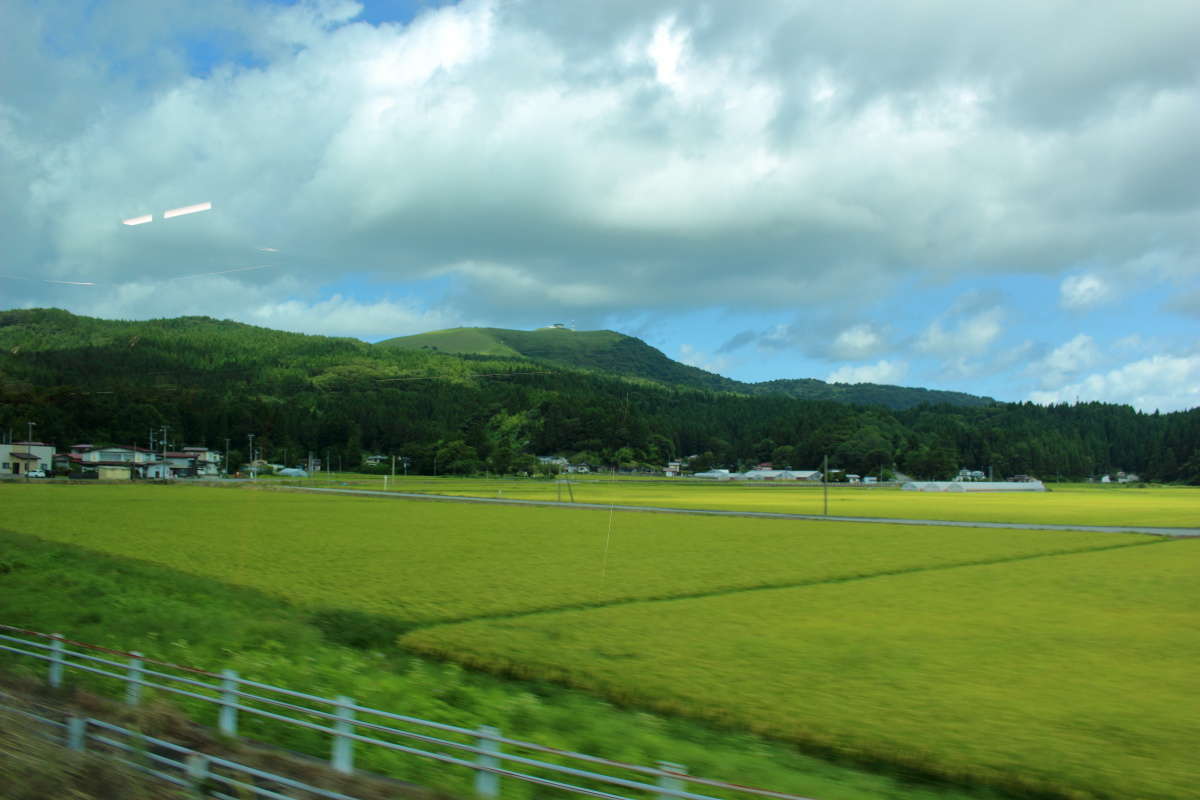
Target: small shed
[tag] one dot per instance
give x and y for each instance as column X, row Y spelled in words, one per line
column 113, row 472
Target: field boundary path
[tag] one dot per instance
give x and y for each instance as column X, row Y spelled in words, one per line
column 1180, row 533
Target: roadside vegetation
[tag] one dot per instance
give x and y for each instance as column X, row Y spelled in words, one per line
column 34, row 768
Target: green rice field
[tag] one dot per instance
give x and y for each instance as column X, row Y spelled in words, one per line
column 426, row 562
column 1071, row 504
column 1056, row 663
column 1064, row 673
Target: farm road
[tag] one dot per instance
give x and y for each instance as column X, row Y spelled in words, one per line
column 1180, row 533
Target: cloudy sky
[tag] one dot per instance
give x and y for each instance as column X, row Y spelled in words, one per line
column 1002, row 199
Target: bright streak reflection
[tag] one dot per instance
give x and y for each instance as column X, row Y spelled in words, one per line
column 222, row 272
column 179, row 212
column 142, row 220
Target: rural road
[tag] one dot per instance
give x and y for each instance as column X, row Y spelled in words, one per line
column 1181, row 533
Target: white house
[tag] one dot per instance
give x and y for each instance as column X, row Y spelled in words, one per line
column 142, row 463
column 110, row 463
column 190, row 462
column 19, row 458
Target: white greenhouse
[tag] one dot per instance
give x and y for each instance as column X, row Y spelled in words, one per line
column 974, row 486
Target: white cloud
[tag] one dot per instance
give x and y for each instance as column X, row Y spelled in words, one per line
column 659, row 143
column 1081, row 292
column 343, row 316
column 971, row 335
column 1066, row 361
column 226, row 297
column 698, row 358
column 857, row 342
column 888, row 372
column 1162, row 382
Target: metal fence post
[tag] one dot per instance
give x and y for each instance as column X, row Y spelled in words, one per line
column 195, row 768
column 56, row 659
column 227, row 722
column 133, row 685
column 77, row 733
column 668, row 781
column 342, row 757
column 487, row 784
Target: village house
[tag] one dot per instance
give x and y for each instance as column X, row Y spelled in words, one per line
column 116, row 462
column 20, row 458
column 121, row 462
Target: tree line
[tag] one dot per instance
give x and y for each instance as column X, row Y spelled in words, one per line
column 209, row 381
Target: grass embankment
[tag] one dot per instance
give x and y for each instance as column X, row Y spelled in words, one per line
column 1059, row 674
column 171, row 615
column 1076, row 504
column 418, row 562
column 35, row 768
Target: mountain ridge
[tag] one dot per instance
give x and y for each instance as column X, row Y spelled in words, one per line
column 621, row 354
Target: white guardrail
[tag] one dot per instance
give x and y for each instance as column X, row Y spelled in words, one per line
column 485, row 751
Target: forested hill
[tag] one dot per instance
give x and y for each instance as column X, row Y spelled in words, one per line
column 208, row 382
column 616, row 353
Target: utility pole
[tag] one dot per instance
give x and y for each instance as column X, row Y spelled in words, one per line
column 825, row 484
column 393, row 466
column 165, row 468
column 227, row 455
column 29, row 447
column 251, row 437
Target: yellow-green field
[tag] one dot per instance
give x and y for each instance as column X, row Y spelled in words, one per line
column 1064, row 505
column 1065, row 672
column 423, row 562
column 1059, row 662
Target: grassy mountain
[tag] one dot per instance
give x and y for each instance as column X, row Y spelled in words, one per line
column 604, row 351
column 609, row 351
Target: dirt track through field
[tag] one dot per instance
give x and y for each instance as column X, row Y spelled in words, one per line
column 1180, row 533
